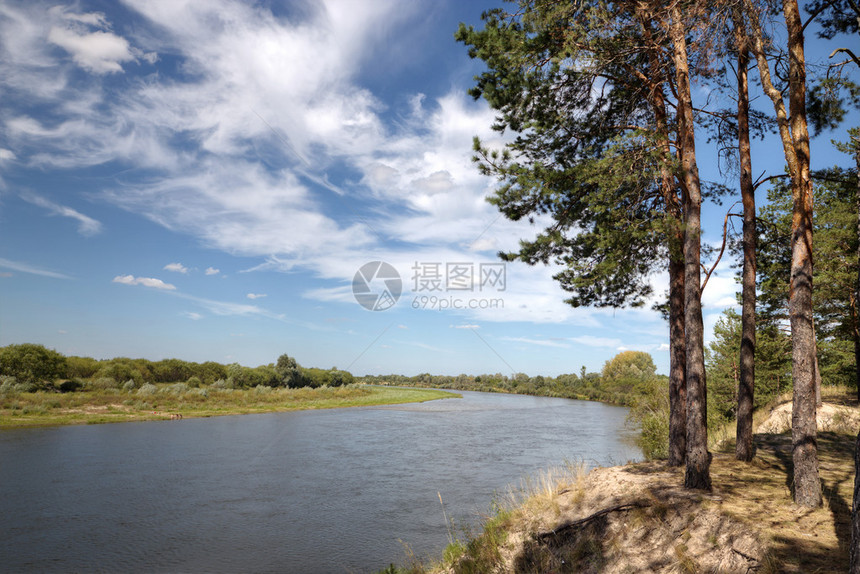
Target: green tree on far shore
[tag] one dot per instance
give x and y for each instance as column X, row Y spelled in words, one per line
column 31, row 363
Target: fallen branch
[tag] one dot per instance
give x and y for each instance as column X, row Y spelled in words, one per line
column 747, row 556
column 554, row 532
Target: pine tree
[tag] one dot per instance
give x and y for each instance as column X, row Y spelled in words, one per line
column 586, row 88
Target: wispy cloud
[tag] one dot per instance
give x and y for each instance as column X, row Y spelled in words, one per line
column 539, row 342
column 256, row 295
column 145, row 281
column 226, row 308
column 592, row 341
column 86, row 225
column 26, row 268
column 465, row 326
column 176, row 267
column 212, row 271
column 192, row 315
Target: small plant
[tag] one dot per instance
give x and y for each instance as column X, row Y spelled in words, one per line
column 129, row 385
column 147, row 390
column 453, row 553
column 222, row 384
column 25, row 387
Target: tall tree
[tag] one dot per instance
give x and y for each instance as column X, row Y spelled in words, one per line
column 746, row 380
column 794, row 134
column 590, row 160
column 697, row 473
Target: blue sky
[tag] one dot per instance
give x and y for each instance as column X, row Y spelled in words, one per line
column 204, row 180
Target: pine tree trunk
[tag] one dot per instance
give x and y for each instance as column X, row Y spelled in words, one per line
column 677, row 357
column 807, row 485
column 854, row 550
column 856, row 306
column 746, row 388
column 675, row 241
column 817, row 370
column 697, row 473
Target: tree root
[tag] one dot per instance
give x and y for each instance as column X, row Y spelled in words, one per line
column 543, row 536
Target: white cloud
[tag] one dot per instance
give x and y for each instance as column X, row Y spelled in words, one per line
column 145, row 281
column 256, row 295
column 88, row 39
column 465, row 326
column 212, row 271
column 86, row 224
column 192, row 315
column 176, row 267
column 27, row 268
column 99, row 52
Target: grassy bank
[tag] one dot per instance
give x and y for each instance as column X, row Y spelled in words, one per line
column 164, row 402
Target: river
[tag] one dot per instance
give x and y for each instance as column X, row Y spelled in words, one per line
column 339, row 490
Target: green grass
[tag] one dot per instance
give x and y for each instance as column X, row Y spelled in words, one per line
column 115, row 405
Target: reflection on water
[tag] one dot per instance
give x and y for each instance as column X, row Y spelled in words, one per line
column 311, row 491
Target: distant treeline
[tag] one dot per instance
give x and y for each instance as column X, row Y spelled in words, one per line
column 29, row 367
column 623, row 381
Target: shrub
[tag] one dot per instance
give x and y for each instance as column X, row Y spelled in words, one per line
column 262, row 389
column 171, row 370
column 81, row 367
column 120, row 370
column 25, row 387
column 222, row 384
column 147, row 390
column 70, row 386
column 102, row 384
column 7, row 383
column 651, row 411
column 129, row 385
column 193, row 382
column 177, row 389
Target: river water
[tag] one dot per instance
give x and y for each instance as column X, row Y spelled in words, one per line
column 311, row 491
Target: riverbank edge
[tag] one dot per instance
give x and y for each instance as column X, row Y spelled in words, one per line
column 46, row 409
column 637, row 517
